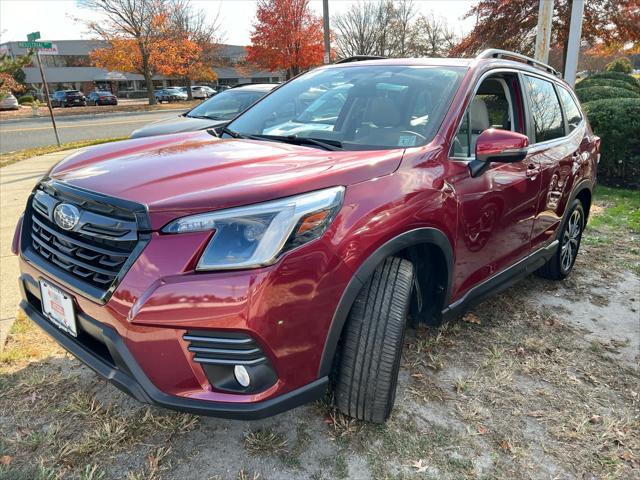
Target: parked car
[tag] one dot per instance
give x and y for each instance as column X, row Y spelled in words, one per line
column 202, row 91
column 102, row 98
column 199, row 92
column 9, row 102
column 234, row 274
column 210, row 113
column 68, row 98
column 173, row 94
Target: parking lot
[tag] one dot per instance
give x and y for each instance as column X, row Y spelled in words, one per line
column 539, row 382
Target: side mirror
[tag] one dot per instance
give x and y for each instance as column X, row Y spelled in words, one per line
column 495, row 145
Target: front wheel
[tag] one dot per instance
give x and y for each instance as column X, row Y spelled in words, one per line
column 561, row 264
column 372, row 343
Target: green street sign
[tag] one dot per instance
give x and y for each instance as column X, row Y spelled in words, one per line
column 32, row 37
column 34, row 44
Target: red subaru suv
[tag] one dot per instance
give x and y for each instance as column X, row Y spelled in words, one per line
column 239, row 272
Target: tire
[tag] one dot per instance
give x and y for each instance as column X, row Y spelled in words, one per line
column 561, row 264
column 372, row 343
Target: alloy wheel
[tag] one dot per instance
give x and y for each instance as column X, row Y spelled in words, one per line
column 571, row 240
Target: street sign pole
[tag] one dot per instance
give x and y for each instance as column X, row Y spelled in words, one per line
column 46, row 91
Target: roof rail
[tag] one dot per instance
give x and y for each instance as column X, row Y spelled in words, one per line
column 359, row 58
column 496, row 53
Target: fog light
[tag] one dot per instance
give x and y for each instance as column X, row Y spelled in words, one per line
column 242, row 376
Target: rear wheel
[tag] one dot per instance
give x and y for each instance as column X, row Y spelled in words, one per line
column 372, row 343
column 560, row 265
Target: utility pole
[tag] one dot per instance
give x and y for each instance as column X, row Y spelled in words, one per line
column 327, row 39
column 543, row 34
column 573, row 47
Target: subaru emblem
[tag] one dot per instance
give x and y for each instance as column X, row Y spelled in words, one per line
column 66, row 216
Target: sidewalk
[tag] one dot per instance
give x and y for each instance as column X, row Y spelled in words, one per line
column 16, row 182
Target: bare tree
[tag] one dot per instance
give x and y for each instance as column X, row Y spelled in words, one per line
column 391, row 28
column 434, row 37
column 357, row 30
column 192, row 24
column 134, row 19
column 402, row 28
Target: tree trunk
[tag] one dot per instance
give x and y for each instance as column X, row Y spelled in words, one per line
column 189, row 94
column 148, row 78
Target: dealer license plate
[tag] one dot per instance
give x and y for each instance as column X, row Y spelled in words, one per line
column 58, row 307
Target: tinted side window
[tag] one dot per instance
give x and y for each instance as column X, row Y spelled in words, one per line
column 545, row 108
column 571, row 110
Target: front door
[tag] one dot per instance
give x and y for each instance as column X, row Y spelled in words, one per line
column 497, row 208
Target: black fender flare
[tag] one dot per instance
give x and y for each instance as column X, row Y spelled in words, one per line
column 585, row 184
column 410, row 238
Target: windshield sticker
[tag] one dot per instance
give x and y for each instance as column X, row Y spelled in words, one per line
column 407, row 141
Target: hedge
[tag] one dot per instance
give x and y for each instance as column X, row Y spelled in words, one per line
column 590, row 94
column 618, row 76
column 617, row 122
column 25, row 99
column 622, row 64
column 605, row 82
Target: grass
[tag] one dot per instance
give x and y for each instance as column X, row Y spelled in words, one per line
column 622, row 210
column 13, row 157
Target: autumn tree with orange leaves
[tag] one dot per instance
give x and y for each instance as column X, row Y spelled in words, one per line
column 286, row 36
column 609, row 26
column 145, row 37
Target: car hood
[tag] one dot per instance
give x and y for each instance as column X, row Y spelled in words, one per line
column 177, row 175
column 175, row 125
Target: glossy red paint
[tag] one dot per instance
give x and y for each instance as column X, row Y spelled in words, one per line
column 490, row 222
column 495, row 142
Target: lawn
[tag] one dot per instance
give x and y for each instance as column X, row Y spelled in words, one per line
column 13, row 157
column 540, row 381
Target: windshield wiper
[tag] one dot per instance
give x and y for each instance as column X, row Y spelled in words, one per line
column 331, row 145
column 231, row 133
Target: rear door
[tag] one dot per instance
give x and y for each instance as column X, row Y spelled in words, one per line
column 496, row 209
column 557, row 136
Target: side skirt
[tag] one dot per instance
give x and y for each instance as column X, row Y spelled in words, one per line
column 501, row 281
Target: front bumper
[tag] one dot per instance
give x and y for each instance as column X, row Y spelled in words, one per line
column 108, row 356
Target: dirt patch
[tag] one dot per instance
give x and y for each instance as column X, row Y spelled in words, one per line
column 539, row 382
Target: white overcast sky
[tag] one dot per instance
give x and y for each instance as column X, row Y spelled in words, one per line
column 54, row 18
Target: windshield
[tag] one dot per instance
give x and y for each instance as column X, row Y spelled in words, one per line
column 356, row 107
column 226, row 105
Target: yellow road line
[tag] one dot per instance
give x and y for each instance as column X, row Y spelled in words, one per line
column 77, row 125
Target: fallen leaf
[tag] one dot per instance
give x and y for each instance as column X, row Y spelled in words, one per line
column 5, row 460
column 506, row 445
column 471, row 318
column 482, row 430
column 420, row 466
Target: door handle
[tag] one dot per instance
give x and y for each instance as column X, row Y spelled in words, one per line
column 532, row 171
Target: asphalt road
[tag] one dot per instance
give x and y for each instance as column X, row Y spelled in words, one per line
column 37, row 132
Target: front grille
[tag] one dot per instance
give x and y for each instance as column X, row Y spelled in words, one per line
column 221, row 348
column 91, row 256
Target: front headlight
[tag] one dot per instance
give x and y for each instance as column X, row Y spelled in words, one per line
column 254, row 236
